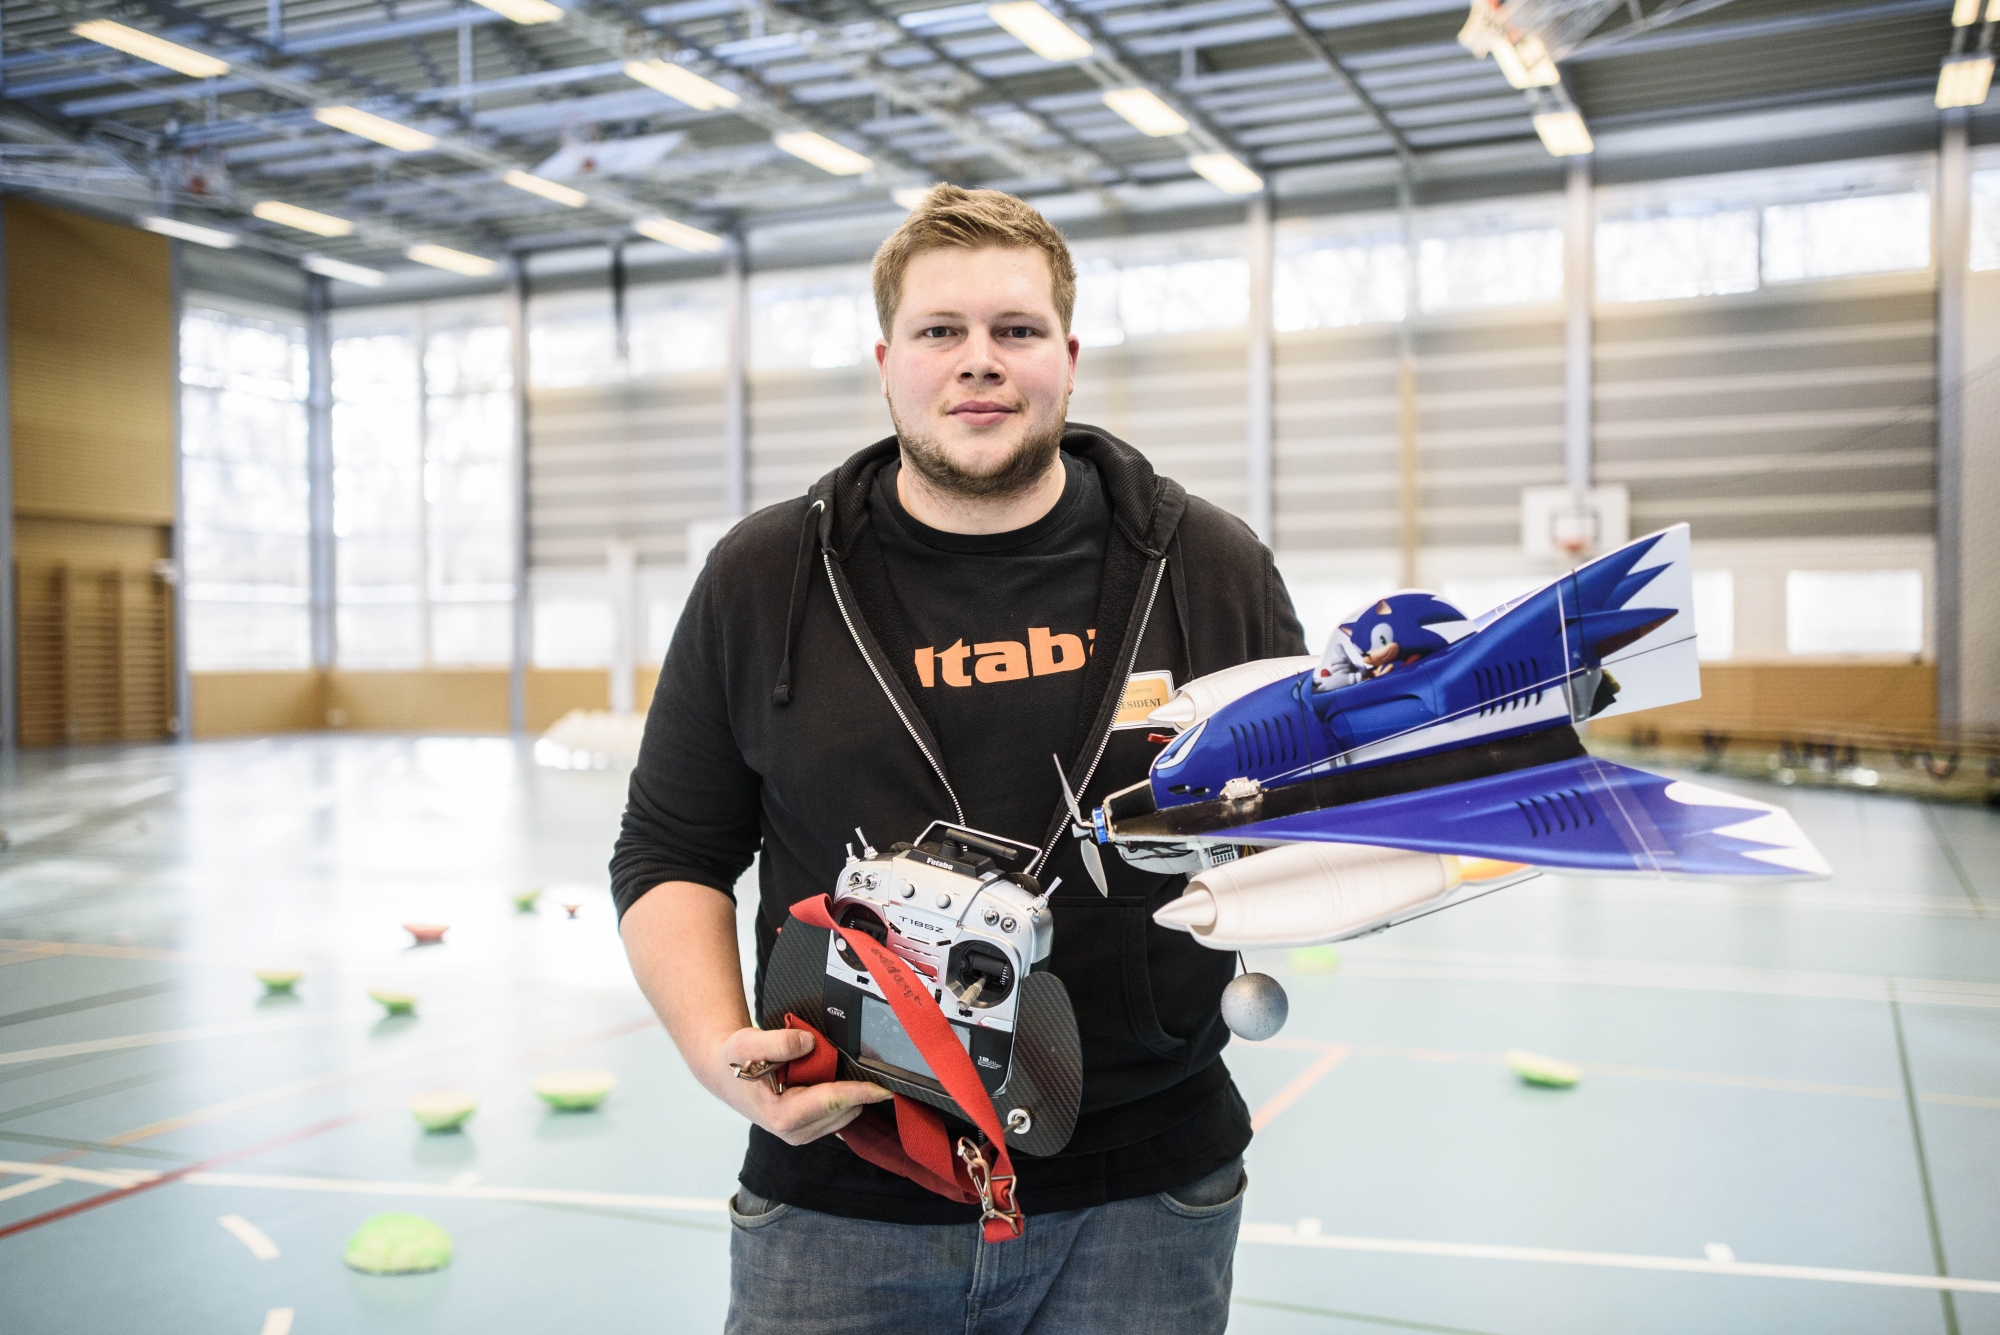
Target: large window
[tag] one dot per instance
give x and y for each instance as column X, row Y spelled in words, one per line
column 1475, row 258
column 1854, row 611
column 1688, row 250
column 670, row 329
column 243, row 447
column 1353, row 269
column 1831, row 238
column 1986, row 219
column 1714, row 235
column 820, row 319
column 1329, row 273
column 1142, row 287
column 423, row 452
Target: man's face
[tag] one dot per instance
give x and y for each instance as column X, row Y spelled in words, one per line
column 977, row 369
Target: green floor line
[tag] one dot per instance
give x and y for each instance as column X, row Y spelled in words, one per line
column 28, row 1069
column 1951, row 856
column 91, row 1003
column 1365, row 1318
column 85, row 1095
column 1923, row 1161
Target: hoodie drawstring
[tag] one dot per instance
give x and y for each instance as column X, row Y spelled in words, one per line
column 1181, row 610
column 795, row 613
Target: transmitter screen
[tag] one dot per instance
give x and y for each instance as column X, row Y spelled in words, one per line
column 883, row 1039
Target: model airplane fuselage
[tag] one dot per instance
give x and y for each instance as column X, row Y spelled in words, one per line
column 1466, row 751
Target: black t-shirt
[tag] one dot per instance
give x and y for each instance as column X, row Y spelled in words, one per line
column 1002, row 627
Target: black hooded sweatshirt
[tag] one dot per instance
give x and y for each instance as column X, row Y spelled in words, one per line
column 789, row 712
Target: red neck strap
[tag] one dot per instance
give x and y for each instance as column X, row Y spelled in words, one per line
column 922, row 1134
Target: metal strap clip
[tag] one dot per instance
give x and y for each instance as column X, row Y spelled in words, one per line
column 991, row 1189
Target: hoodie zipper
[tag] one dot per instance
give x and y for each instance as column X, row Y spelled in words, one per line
column 834, row 583
column 1104, row 739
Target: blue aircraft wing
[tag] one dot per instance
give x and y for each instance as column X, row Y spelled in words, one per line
column 1580, row 814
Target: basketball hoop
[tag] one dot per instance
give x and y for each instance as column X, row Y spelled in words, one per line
column 1573, row 532
column 1565, row 524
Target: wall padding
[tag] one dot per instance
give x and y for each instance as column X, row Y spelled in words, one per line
column 90, row 324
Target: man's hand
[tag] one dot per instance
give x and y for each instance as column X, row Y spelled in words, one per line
column 681, row 939
column 802, row 1113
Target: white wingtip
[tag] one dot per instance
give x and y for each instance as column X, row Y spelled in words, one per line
column 1789, row 848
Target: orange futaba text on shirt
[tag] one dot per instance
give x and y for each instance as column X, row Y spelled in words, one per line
column 1045, row 654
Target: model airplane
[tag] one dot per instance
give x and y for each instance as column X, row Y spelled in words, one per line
column 1428, row 758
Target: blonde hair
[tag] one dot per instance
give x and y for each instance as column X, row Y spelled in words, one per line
column 953, row 218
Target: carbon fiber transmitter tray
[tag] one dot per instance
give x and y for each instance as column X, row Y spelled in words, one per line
column 1046, row 1077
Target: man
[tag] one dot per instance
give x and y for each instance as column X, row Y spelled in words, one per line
column 914, row 640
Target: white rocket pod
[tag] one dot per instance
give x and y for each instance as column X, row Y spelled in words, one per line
column 1204, row 695
column 1302, row 894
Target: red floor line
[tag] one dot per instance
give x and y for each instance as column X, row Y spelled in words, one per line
column 289, row 1138
column 1296, row 1090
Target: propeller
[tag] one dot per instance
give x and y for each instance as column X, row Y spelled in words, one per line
column 1093, row 862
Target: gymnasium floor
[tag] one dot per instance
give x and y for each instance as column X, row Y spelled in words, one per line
column 1804, row 1078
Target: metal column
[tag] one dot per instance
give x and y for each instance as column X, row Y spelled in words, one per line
column 1579, row 294
column 1258, row 463
column 1409, row 528
column 177, row 535
column 1954, row 255
column 9, row 702
column 517, row 665
column 735, row 379
column 319, row 472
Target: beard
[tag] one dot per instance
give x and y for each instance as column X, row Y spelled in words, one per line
column 1015, row 474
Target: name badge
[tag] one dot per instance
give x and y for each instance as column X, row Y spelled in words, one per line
column 1144, row 693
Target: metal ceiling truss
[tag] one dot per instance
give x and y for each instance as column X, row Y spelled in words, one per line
column 925, row 91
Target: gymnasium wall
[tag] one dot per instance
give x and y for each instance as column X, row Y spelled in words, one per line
column 91, row 349
column 1790, row 418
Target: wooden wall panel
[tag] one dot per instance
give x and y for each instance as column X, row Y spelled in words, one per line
column 95, row 656
column 94, row 632
column 91, row 334
column 1891, row 696
column 432, row 700
column 248, row 704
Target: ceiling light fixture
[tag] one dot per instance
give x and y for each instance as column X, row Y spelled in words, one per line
column 134, row 42
column 457, row 261
column 345, row 272
column 535, row 185
column 368, row 125
column 823, row 153
column 911, row 195
column 679, row 234
column 180, row 231
column 1039, row 30
column 1227, row 173
column 525, row 11
column 1145, row 112
column 1964, row 81
column 306, row 220
column 1564, row 134
column 1526, row 63
column 681, row 84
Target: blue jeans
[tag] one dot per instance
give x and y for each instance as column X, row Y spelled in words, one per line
column 1158, row 1264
